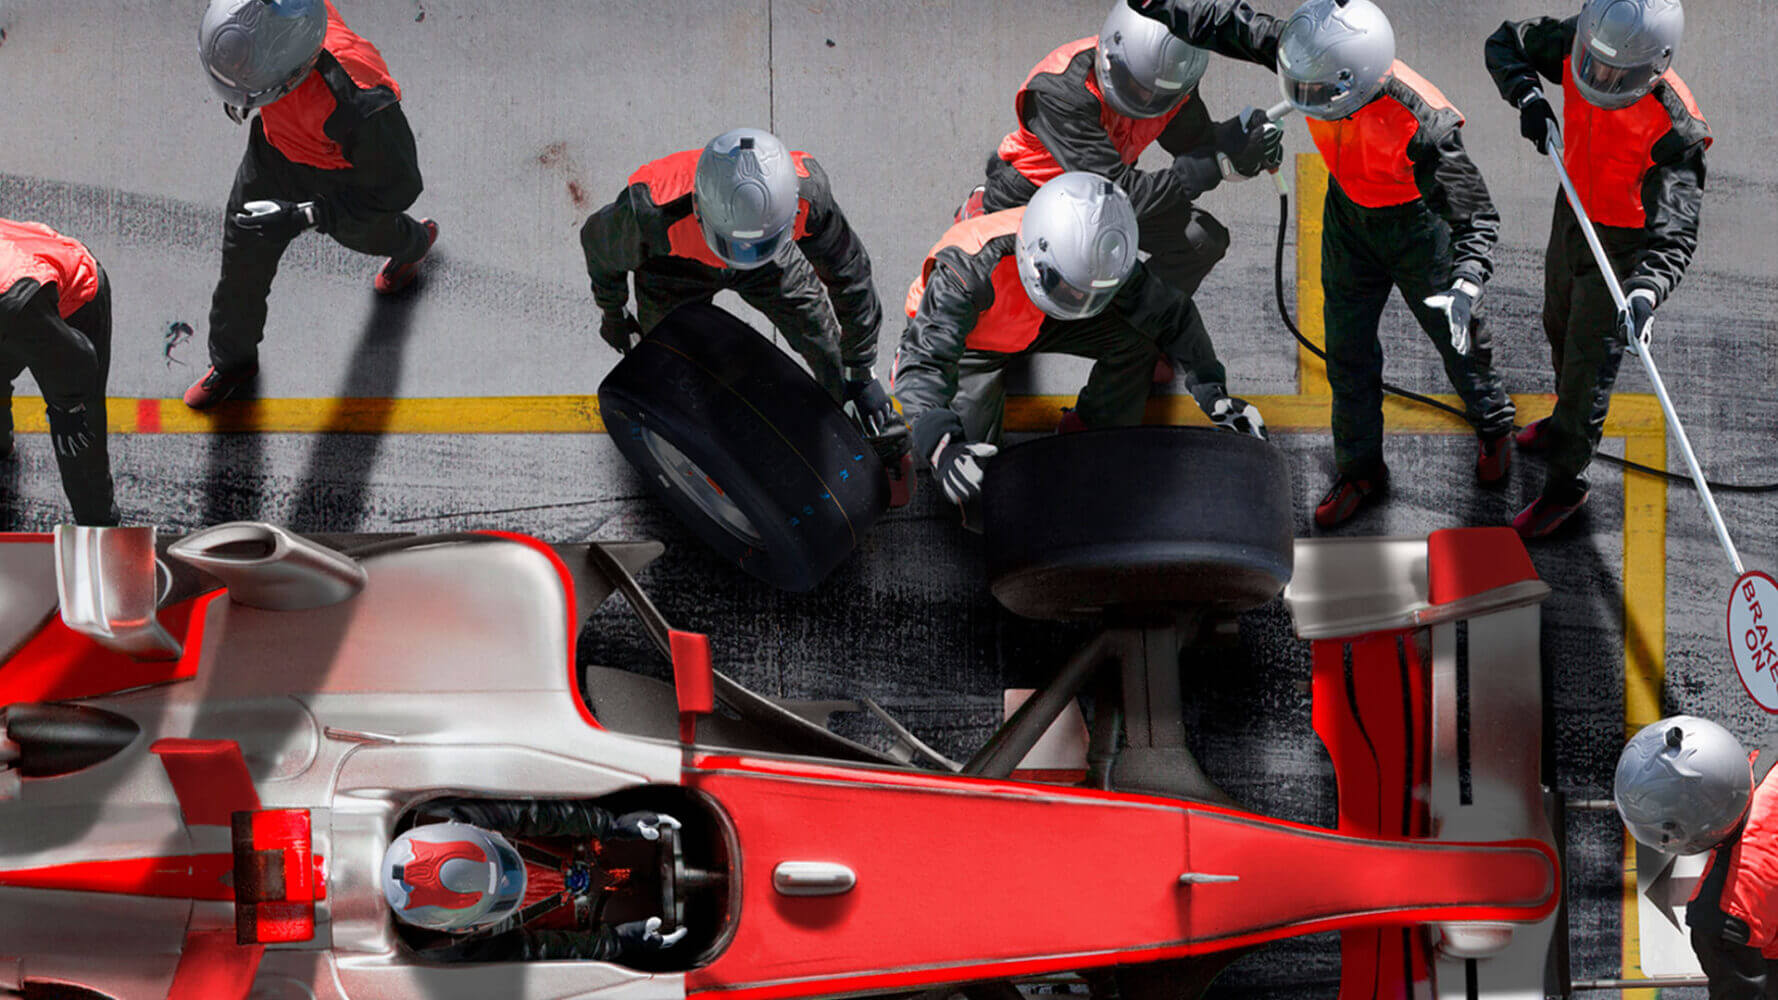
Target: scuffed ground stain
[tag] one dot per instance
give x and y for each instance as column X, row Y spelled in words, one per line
column 419, row 11
column 556, row 157
column 178, row 334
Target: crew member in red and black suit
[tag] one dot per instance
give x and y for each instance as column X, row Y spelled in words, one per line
column 1097, row 103
column 1633, row 141
column 1406, row 209
column 55, row 319
column 330, row 150
column 1734, row 913
column 746, row 214
column 1057, row 276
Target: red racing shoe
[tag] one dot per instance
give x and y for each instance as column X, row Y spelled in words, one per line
column 1347, row 495
column 217, row 386
column 1163, row 371
column 1494, row 460
column 1534, row 436
column 1544, row 516
column 1070, row 422
column 396, row 275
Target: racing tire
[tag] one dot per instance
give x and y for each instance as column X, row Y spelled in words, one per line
column 1135, row 518
column 744, row 447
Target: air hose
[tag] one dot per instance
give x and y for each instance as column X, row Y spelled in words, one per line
column 1290, row 324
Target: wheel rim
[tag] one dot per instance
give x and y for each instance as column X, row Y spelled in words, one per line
column 682, row 475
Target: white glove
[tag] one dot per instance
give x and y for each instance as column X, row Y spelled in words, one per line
column 1458, row 305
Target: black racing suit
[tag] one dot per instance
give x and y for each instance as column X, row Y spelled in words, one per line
column 1411, row 213
column 1062, row 127
column 650, row 230
column 526, row 819
column 71, row 360
column 963, row 332
column 1645, row 202
column 364, row 203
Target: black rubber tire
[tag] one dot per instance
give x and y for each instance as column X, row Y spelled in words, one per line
column 1137, row 518
column 752, row 421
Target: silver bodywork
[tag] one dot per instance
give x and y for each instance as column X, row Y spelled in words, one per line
column 447, row 674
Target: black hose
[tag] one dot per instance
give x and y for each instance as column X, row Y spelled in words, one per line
column 1290, row 324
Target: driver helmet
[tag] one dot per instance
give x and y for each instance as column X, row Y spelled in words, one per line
column 1143, row 69
column 1334, row 56
column 1621, row 48
column 1076, row 245
column 1683, row 784
column 452, row 877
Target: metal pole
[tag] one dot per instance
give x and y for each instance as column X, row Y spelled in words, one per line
column 1657, row 982
column 1648, row 362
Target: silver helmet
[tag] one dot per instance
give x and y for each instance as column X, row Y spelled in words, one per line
column 256, row 51
column 1144, row 70
column 1621, row 48
column 746, row 195
column 1334, row 56
column 1076, row 245
column 1683, row 784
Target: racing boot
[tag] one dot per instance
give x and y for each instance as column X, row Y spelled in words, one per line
column 1070, row 422
column 396, row 275
column 1547, row 513
column 1163, row 371
column 1348, row 494
column 1494, row 459
column 217, row 386
column 1534, row 436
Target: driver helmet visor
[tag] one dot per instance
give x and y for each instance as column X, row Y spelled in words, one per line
column 744, row 250
column 1617, row 86
column 1062, row 299
column 1134, row 97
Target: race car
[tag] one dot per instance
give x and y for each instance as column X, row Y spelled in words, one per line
column 208, row 744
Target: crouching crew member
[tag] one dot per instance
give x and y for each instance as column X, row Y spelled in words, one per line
column 1633, row 142
column 746, row 214
column 1058, row 276
column 1685, row 785
column 1406, row 209
column 55, row 319
column 330, row 150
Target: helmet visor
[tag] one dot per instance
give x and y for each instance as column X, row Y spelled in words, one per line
column 1135, row 97
column 744, row 251
column 1062, row 299
column 1323, row 99
column 1611, row 86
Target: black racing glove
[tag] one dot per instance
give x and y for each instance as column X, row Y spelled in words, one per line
column 1637, row 319
column 69, row 430
column 958, row 467
column 1537, row 120
column 643, row 936
column 620, row 330
column 869, row 406
column 1248, row 149
column 281, row 220
column 1226, row 412
column 642, row 825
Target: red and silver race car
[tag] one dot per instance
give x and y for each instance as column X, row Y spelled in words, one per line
column 207, row 751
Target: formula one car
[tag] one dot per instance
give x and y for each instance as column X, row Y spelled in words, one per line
column 208, row 750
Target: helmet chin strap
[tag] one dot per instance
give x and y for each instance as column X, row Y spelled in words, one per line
column 238, row 115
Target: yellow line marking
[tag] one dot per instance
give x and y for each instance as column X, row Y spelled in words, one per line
column 1311, row 191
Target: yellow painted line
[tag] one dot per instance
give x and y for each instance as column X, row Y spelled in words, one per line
column 446, row 415
column 1645, row 637
column 1311, row 191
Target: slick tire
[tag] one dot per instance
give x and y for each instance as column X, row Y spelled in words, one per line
column 744, row 447
column 1137, row 519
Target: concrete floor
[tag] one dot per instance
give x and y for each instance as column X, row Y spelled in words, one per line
column 529, row 116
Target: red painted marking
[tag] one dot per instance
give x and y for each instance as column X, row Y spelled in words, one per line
column 59, row 664
column 586, row 712
column 213, row 967
column 957, row 879
column 194, row 876
column 210, row 778
column 148, row 416
column 1463, row 562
